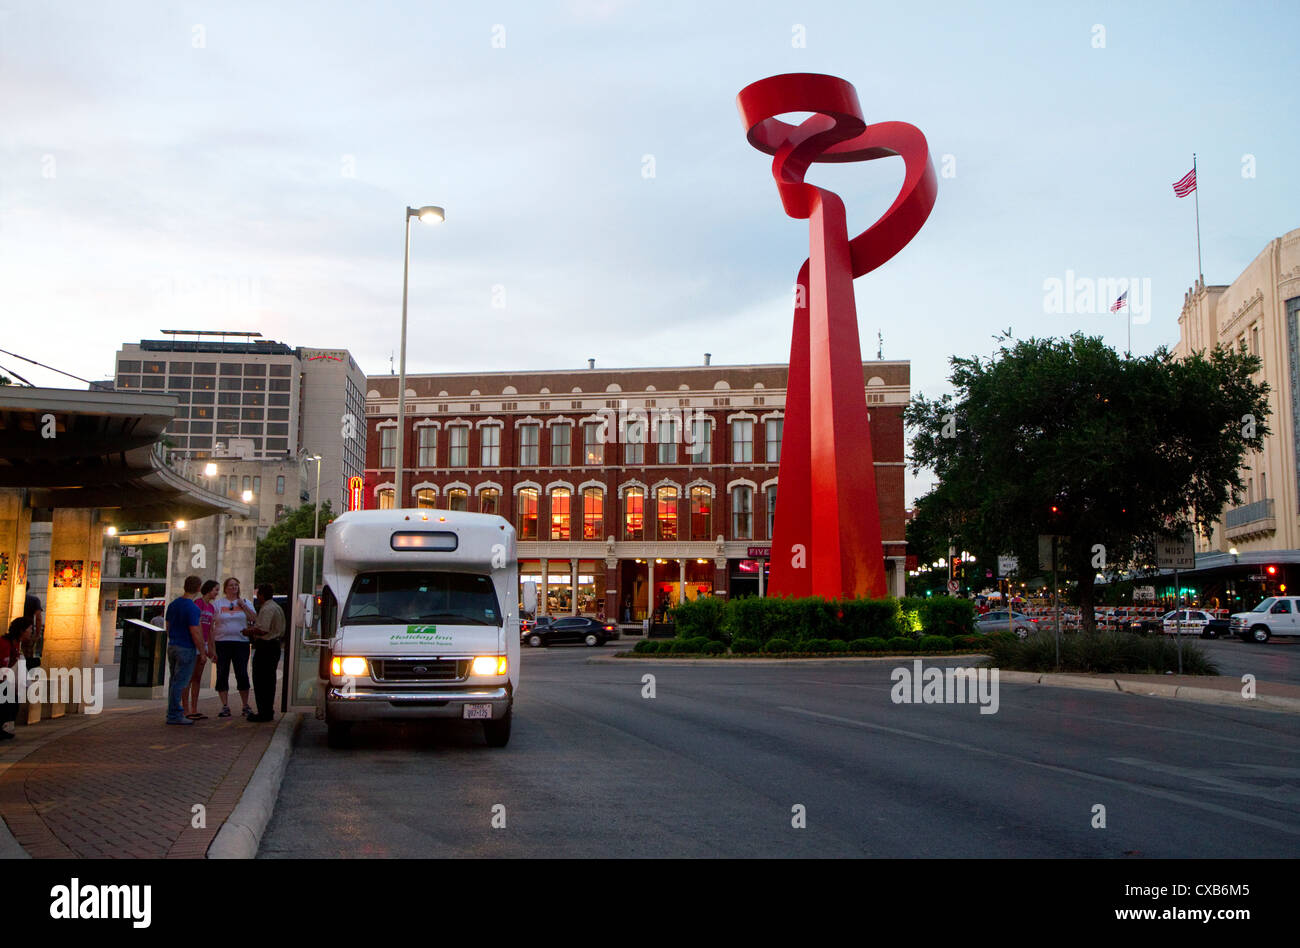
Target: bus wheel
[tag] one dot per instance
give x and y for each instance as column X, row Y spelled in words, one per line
column 498, row 732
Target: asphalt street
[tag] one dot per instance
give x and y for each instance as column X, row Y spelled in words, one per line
column 721, row 760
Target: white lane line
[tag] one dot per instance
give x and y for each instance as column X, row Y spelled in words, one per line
column 1069, row 771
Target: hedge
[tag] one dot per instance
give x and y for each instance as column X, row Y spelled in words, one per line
column 700, row 618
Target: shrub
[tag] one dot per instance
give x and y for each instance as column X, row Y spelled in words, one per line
column 745, row 646
column 1106, row 652
column 870, row 645
column 900, row 644
column 681, row 646
column 935, row 643
column 948, row 615
column 861, row 645
column 645, row 647
column 753, row 618
column 966, row 641
column 837, row 645
column 699, row 643
column 814, row 645
column 868, row 618
column 713, row 648
column 776, row 646
column 908, row 620
column 700, row 618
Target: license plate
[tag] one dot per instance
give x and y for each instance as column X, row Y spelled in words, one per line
column 477, row 711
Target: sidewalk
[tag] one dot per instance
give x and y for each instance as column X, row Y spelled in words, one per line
column 122, row 784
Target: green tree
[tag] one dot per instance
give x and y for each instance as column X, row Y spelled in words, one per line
column 1063, row 436
column 275, row 550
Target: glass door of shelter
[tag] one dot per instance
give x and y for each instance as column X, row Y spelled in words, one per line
column 304, row 625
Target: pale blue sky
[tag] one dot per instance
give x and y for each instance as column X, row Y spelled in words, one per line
column 233, row 165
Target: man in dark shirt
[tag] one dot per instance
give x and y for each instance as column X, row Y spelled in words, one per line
column 267, row 635
column 184, row 640
column 32, row 609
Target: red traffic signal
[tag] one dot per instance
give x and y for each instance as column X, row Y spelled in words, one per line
column 1271, row 570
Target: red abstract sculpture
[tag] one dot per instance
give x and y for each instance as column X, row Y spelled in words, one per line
column 827, row 531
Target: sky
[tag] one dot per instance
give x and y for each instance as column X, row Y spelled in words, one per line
column 246, row 166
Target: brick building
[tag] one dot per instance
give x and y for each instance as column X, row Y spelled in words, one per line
column 629, row 488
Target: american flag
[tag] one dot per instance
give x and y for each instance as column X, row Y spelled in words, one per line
column 1119, row 303
column 1186, row 184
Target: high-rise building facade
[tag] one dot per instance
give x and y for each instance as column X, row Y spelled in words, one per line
column 1260, row 311
column 630, row 489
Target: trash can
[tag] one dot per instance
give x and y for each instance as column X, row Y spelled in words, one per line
column 143, row 668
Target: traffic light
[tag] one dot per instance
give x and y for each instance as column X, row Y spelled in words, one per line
column 1271, row 571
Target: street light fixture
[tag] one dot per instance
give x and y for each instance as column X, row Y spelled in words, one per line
column 210, row 469
column 429, row 214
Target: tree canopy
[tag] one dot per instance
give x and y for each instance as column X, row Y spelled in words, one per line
column 275, row 550
column 1066, row 437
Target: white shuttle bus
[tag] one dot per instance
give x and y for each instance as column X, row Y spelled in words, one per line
column 419, row 618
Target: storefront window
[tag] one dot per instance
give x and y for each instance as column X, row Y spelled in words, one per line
column 424, row 497
column 634, row 514
column 526, row 526
column 666, row 504
column 560, row 513
column 458, row 499
column 489, row 500
column 593, row 513
column 386, row 499
column 593, row 450
column 742, row 513
column 528, row 441
column 701, row 513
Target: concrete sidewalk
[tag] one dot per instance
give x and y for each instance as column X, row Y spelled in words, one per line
column 122, row 783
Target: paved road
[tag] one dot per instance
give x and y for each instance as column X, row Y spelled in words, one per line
column 1278, row 660
column 713, row 765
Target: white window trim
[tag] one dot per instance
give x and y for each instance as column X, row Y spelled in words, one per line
column 559, row 420
column 554, row 484
column 454, row 484
column 597, row 484
column 387, row 485
column 741, row 416
column 771, row 416
column 622, row 488
column 390, row 423
column 460, row 422
column 770, row 482
column 666, row 482
column 486, row 485
column 425, row 485
column 701, row 482
column 427, row 423
column 523, row 484
column 741, row 482
column 490, row 423
column 528, row 420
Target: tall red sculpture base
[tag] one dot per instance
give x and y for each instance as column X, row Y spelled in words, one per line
column 827, row 538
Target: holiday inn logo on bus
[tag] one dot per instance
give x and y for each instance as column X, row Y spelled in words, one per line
column 423, row 633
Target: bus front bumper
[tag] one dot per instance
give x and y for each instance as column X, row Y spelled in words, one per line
column 372, row 704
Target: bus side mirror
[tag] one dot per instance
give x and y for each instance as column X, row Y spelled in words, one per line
column 529, row 601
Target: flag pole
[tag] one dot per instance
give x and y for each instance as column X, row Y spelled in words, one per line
column 1196, row 180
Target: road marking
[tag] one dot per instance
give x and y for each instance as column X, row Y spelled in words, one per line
column 1055, row 768
column 1220, row 783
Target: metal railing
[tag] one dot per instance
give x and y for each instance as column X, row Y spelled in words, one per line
column 1248, row 513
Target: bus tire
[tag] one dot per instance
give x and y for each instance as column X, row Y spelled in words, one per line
column 1260, row 634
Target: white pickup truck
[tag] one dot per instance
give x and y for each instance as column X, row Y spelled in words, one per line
column 1275, row 616
column 420, row 615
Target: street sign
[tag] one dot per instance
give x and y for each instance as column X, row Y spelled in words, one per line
column 953, row 586
column 1178, row 553
column 1007, row 564
column 1144, row 593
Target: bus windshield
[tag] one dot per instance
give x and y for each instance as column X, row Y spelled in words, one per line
column 421, row 597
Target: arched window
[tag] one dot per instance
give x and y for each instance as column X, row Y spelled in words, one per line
column 593, row 513
column 560, row 513
column 424, row 497
column 386, row 497
column 634, row 514
column 489, row 500
column 742, row 512
column 666, row 511
column 701, row 513
column 526, row 525
column 458, row 499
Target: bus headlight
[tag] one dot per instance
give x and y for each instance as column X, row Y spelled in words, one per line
column 352, row 666
column 488, row 665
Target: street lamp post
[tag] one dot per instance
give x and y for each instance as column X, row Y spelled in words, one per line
column 315, row 530
column 430, row 214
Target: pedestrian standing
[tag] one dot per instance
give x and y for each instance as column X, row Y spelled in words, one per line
column 11, row 652
column 267, row 635
column 184, row 641
column 207, row 613
column 233, row 616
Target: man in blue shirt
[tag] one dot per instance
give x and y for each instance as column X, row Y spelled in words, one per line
column 184, row 640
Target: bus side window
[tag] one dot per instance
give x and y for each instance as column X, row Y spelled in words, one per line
column 327, row 615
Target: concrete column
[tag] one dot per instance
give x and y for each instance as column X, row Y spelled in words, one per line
column 681, row 575
column 762, row 578
column 72, row 625
column 546, row 586
column 15, row 532
column 650, row 587
column 573, row 587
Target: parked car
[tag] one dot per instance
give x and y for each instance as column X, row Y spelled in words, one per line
column 528, row 625
column 572, row 629
column 997, row 621
column 1216, row 628
column 1276, row 615
column 1192, row 622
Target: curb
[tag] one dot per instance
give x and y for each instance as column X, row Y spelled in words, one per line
column 763, row 661
column 241, row 834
